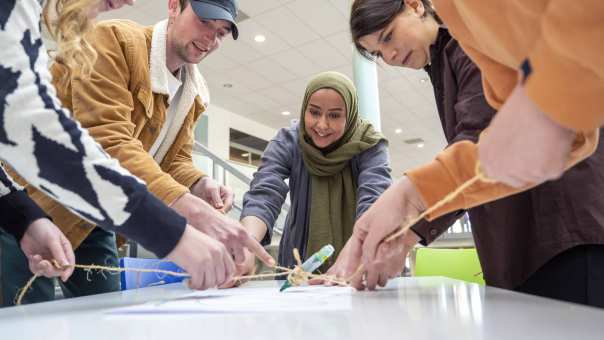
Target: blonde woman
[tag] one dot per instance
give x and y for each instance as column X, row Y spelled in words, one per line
column 52, row 152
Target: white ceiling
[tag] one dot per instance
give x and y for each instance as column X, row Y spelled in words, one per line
column 303, row 38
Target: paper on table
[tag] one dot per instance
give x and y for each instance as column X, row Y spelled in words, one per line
column 250, row 300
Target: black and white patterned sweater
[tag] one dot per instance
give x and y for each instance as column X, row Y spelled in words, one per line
column 53, row 153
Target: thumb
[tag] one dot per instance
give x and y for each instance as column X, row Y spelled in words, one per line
column 57, row 252
column 370, row 246
column 70, row 258
column 216, row 198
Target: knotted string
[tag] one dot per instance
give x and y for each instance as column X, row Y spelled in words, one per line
column 296, row 276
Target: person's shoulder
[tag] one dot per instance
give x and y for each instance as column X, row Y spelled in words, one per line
column 288, row 134
column 457, row 56
column 285, row 140
column 121, row 25
column 379, row 149
column 124, row 30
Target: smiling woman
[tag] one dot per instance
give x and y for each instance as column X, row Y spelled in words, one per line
column 325, row 117
column 337, row 166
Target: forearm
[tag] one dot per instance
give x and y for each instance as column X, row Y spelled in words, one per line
column 18, row 211
column 255, row 226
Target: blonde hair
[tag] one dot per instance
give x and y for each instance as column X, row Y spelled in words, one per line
column 68, row 23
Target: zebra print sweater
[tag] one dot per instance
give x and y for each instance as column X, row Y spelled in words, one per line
column 53, row 153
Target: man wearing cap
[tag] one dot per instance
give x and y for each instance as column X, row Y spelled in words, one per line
column 141, row 104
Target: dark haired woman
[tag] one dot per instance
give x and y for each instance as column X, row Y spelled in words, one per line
column 547, row 241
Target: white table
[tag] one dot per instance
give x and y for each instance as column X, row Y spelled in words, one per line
column 409, row 308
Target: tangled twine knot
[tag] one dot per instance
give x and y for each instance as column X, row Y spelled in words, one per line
column 298, row 276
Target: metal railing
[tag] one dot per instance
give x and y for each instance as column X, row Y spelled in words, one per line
column 222, row 171
column 218, row 163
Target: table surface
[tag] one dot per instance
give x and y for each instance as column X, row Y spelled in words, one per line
column 408, row 308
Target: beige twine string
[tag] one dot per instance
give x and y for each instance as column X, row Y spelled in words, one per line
column 297, row 275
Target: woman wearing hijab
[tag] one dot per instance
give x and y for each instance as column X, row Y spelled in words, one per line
column 337, row 165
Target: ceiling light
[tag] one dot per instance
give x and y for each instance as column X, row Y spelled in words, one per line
column 420, row 145
column 286, row 113
column 413, row 141
column 259, row 38
column 399, row 130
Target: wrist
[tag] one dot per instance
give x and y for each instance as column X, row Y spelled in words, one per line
column 412, row 238
column 34, row 228
column 191, row 207
column 36, row 220
column 411, row 195
column 198, row 187
column 255, row 227
column 203, row 180
column 175, row 255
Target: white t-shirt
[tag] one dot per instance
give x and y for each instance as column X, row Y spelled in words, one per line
column 174, row 92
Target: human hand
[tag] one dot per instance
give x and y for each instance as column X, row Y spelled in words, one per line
column 205, row 259
column 346, row 264
column 248, row 267
column 220, row 197
column 229, row 232
column 44, row 242
column 388, row 263
column 399, row 203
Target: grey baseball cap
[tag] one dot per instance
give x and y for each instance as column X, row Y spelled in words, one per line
column 217, row 10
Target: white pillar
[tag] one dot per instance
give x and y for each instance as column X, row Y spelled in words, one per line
column 366, row 81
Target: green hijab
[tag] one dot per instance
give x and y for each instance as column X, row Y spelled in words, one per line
column 333, row 190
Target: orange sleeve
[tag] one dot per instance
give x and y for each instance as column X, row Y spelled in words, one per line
column 566, row 77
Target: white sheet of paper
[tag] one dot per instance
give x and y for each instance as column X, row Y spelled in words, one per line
column 250, row 300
